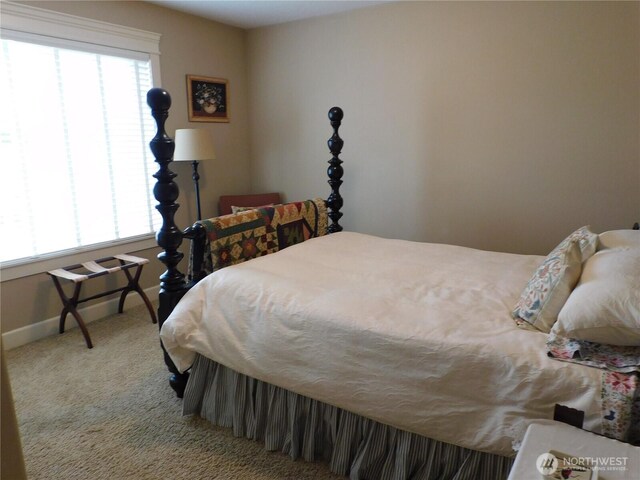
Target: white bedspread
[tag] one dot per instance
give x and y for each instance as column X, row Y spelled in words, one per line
column 413, row 335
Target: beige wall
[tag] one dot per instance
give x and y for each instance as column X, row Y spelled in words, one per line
column 189, row 45
column 494, row 125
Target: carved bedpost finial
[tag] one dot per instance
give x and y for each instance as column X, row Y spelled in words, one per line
column 166, row 191
column 335, row 171
column 172, row 282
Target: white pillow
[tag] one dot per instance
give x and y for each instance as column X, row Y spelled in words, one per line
column 236, row 209
column 619, row 238
column 605, row 305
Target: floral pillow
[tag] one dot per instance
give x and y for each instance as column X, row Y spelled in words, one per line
column 587, row 240
column 550, row 286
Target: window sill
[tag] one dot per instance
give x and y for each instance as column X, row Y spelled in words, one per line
column 33, row 266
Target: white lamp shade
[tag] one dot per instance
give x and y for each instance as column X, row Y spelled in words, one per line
column 193, row 144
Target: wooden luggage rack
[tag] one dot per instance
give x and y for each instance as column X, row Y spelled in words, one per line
column 93, row 269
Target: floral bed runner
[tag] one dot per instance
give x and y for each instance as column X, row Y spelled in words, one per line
column 620, row 382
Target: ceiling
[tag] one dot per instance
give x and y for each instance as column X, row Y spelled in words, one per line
column 260, row 13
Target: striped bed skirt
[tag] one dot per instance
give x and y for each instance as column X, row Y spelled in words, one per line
column 301, row 427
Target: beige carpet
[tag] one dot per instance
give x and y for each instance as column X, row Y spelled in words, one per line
column 108, row 413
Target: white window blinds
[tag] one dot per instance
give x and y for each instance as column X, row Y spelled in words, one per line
column 74, row 136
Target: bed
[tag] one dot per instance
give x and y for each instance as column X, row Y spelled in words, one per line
column 389, row 358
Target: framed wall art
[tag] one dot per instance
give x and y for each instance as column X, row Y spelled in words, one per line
column 208, row 99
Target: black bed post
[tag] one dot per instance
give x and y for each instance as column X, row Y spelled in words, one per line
column 172, row 282
column 335, row 171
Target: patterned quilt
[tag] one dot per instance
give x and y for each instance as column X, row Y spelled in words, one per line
column 620, row 382
column 238, row 237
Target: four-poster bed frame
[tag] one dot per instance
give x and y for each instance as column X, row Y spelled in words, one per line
column 173, row 283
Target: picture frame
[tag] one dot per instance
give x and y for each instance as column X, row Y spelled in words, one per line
column 207, row 99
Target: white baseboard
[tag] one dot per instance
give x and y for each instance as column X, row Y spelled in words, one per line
column 31, row 333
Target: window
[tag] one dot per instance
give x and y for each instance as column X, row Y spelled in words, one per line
column 74, row 136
